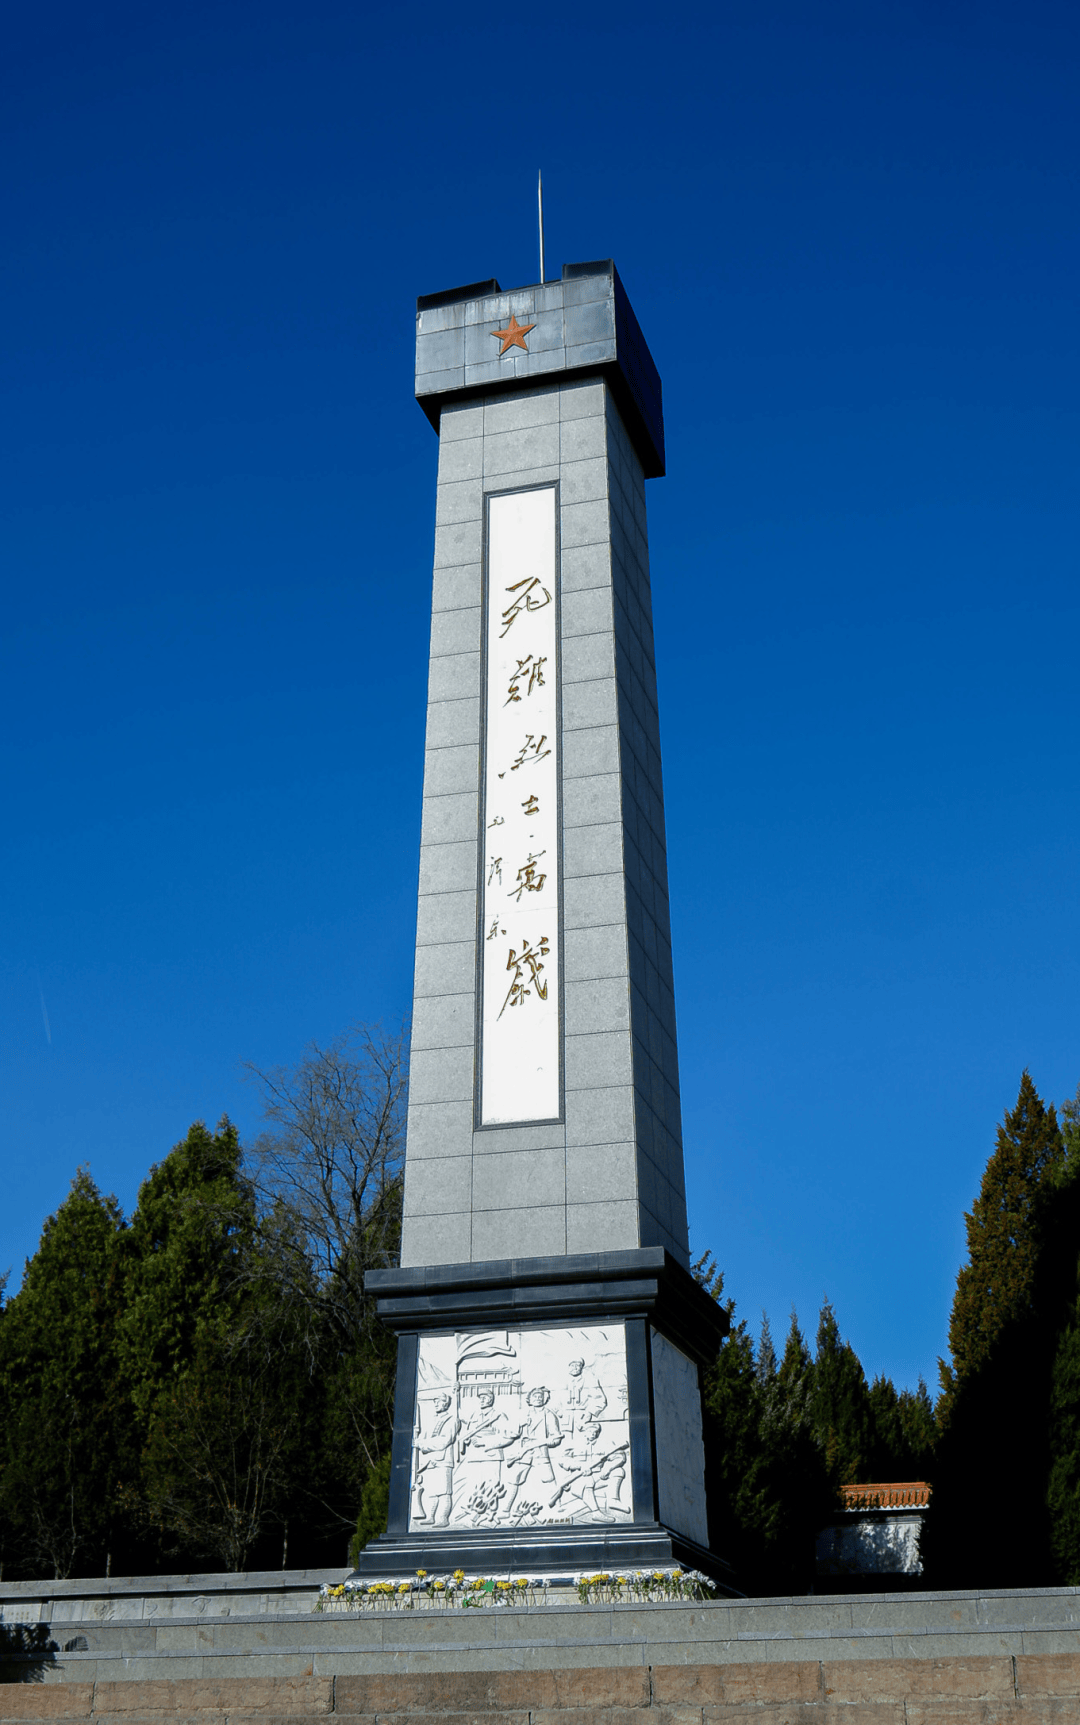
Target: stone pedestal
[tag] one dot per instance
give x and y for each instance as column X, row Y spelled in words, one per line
column 551, row 1335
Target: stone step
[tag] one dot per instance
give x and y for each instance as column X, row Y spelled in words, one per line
column 1037, row 1689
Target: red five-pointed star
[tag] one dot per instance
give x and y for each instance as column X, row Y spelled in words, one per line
column 513, row 335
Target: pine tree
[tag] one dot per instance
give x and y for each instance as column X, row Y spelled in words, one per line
column 767, row 1364
column 220, row 1385
column 840, row 1403
column 66, row 1447
column 1013, row 1299
column 767, row 1488
column 994, row 1286
column 904, row 1431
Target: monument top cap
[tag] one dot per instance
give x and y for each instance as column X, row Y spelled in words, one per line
column 477, row 340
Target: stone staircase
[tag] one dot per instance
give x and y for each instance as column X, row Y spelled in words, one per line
column 230, row 1650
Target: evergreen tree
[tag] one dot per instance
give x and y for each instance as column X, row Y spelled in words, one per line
column 186, row 1257
column 216, row 1375
column 1012, row 1367
column 994, row 1286
column 840, row 1408
column 903, row 1432
column 767, row 1490
column 66, row 1448
column 795, row 1377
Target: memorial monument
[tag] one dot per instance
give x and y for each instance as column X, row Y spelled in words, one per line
column 551, row 1336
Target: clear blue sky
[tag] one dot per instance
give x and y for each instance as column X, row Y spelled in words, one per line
column 850, row 235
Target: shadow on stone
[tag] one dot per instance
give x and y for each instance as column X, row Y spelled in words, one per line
column 26, row 1649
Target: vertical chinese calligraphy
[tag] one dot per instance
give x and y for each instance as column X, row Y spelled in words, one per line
column 519, row 951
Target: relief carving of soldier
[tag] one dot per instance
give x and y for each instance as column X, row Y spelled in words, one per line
column 597, row 1469
column 434, row 1465
column 584, row 1398
column 485, row 1436
column 530, row 1463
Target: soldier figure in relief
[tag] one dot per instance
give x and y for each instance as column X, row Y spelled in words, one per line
column 541, row 1433
column 435, row 1463
column 596, row 1473
column 485, row 1435
column 585, row 1398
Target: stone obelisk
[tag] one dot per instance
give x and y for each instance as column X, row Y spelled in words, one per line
column 551, row 1337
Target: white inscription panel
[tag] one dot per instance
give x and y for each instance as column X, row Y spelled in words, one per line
column 522, row 1428
column 519, row 1071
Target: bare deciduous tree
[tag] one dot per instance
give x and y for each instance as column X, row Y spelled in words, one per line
column 328, row 1174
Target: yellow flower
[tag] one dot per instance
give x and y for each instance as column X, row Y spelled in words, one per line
column 459, row 1575
column 421, row 1573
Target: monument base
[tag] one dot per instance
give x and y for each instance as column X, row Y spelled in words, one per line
column 556, row 1554
column 547, row 1418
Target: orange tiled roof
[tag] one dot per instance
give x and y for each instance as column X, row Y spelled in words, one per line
column 907, row 1494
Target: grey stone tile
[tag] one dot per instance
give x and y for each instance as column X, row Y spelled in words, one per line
column 601, row 1173
column 523, row 479
column 580, row 290
column 584, row 566
column 459, row 588
column 441, row 1075
column 598, row 1061
column 488, row 308
column 448, row 771
column 607, row 1227
column 592, row 850
column 584, row 524
column 519, row 1233
column 454, row 632
column 584, row 481
column 583, row 398
column 450, row 820
column 445, row 917
column 448, row 868
column 443, row 1021
column 588, row 612
column 521, row 412
column 434, row 382
column 460, row 422
column 518, row 451
column 495, row 1140
column 599, row 1116
column 589, row 706
column 585, row 658
column 521, row 1179
column 583, row 440
column 439, row 350
column 453, row 723
column 439, row 1128
column 591, row 952
column 437, row 1185
column 590, row 352
column 462, row 542
column 593, row 322
column 592, row 901
column 600, row 1004
column 459, row 459
column 438, row 317
column 585, row 753
column 432, row 1240
column 588, row 802
column 458, row 502
column 453, row 676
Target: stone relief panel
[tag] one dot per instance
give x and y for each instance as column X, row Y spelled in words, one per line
column 522, row 1428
